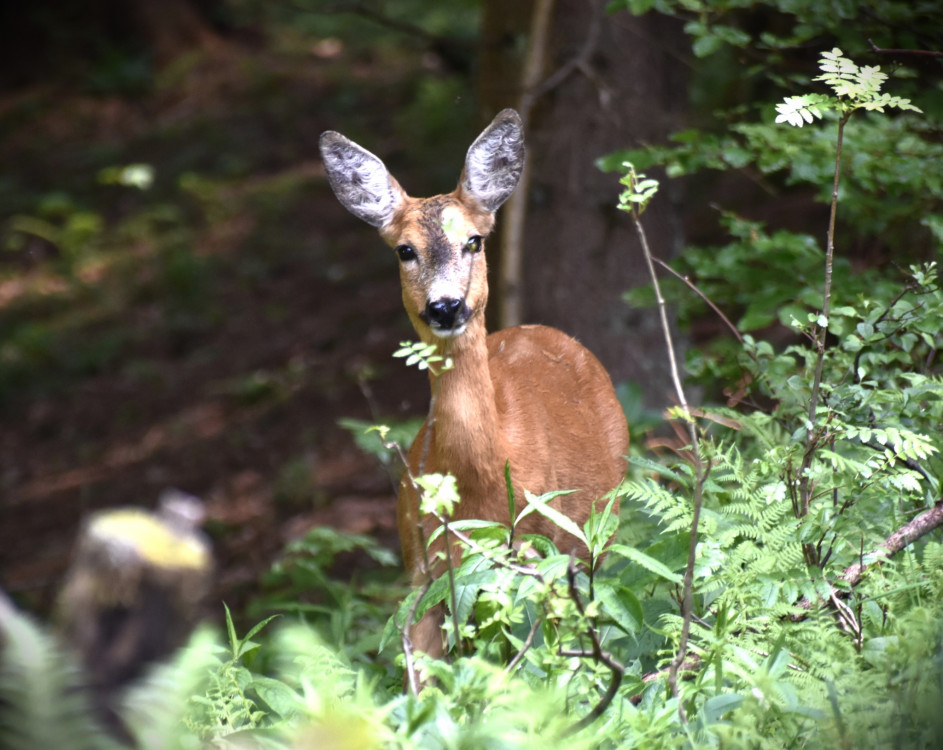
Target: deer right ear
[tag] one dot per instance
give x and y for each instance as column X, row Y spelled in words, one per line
column 360, row 180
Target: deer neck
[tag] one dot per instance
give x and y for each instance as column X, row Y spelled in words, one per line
column 467, row 438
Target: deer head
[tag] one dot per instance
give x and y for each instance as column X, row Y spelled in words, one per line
column 439, row 240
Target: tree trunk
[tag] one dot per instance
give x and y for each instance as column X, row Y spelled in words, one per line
column 581, row 252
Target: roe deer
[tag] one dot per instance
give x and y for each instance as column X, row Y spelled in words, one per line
column 530, row 395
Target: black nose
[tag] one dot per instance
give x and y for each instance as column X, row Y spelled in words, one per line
column 443, row 313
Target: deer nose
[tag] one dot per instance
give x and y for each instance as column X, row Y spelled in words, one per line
column 443, row 312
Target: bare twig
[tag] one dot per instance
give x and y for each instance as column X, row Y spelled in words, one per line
column 451, row 50
column 908, row 462
column 515, row 211
column 472, row 545
column 906, row 535
column 690, row 284
column 528, row 642
column 920, row 52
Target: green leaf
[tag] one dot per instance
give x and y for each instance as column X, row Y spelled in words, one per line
column 718, row 705
column 540, row 504
column 649, row 563
column 622, row 605
column 278, row 696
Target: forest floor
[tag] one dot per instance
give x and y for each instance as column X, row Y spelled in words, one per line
column 206, row 333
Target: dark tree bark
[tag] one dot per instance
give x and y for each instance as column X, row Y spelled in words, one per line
column 581, row 254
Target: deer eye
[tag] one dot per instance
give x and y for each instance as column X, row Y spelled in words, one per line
column 473, row 245
column 405, row 253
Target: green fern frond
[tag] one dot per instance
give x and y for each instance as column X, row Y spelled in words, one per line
column 42, row 701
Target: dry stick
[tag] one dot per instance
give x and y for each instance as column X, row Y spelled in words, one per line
column 687, row 599
column 410, row 665
column 515, row 211
column 925, row 52
column 903, row 537
column 525, row 570
column 899, row 540
column 405, row 640
column 472, row 545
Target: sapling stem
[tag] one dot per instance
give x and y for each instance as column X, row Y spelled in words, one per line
column 638, row 195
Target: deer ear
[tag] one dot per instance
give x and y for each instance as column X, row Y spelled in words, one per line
column 495, row 160
column 360, row 180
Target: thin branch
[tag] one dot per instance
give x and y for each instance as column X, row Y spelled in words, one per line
column 922, row 52
column 453, row 51
column 906, row 535
column 472, row 545
column 903, row 537
column 617, row 670
column 699, row 293
column 691, row 664
column 456, row 625
column 883, row 316
column 515, row 211
column 528, row 642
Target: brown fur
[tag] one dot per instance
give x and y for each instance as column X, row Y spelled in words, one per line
column 530, row 395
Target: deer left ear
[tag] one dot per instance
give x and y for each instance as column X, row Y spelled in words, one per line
column 494, row 161
column 360, row 180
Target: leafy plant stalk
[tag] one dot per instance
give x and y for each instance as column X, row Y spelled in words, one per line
column 821, row 330
column 634, row 201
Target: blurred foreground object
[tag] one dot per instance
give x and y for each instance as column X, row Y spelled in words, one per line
column 135, row 589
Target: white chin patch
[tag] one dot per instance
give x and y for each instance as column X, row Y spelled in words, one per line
column 448, row 333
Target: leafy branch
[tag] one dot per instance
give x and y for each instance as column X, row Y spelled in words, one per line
column 424, row 357
column 853, row 88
